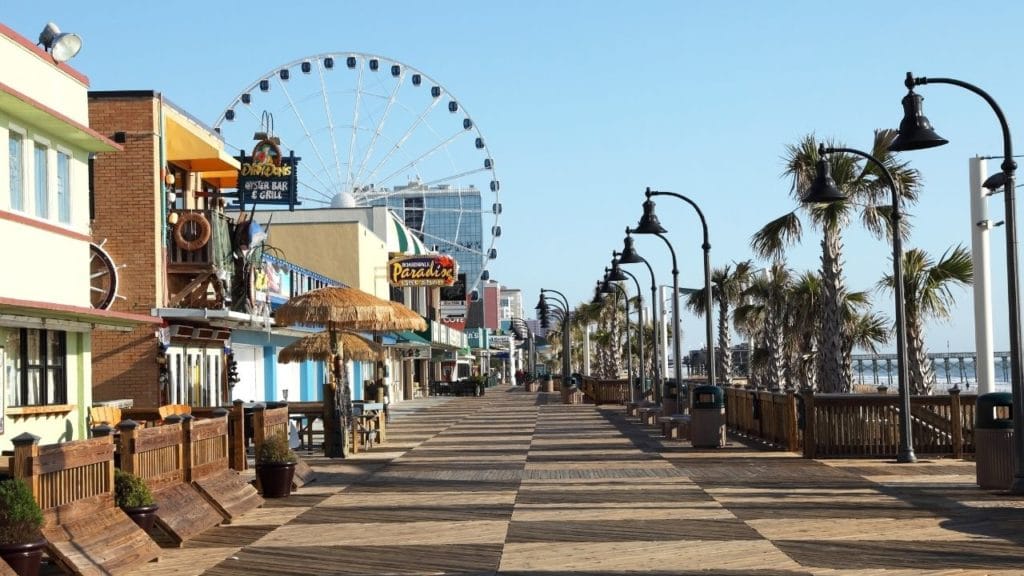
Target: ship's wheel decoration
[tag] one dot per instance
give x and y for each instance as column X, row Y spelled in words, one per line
column 102, row 277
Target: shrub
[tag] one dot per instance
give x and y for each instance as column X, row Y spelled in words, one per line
column 130, row 491
column 20, row 515
column 275, row 450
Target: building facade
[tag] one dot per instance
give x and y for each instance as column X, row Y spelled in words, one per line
column 49, row 318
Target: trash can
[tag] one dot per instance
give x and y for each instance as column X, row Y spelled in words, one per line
column 549, row 384
column 707, row 422
column 993, row 441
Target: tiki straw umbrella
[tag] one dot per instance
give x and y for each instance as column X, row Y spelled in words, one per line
column 318, row 347
column 341, row 308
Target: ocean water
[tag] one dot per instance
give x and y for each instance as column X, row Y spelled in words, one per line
column 947, row 375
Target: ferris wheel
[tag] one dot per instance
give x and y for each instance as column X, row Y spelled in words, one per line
column 373, row 131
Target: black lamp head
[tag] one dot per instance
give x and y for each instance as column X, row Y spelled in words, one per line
column 542, row 304
column 995, row 181
column 599, row 293
column 629, row 254
column 649, row 223
column 615, row 274
column 823, row 189
column 916, row 131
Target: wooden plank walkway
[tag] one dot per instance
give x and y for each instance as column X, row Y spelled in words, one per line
column 516, row 484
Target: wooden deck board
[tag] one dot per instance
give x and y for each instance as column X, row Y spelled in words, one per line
column 507, row 485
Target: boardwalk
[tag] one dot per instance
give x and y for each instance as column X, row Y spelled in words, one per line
column 518, row 484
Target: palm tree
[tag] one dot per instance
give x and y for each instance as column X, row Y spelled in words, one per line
column 804, row 297
column 727, row 286
column 864, row 329
column 762, row 317
column 865, row 191
column 927, row 288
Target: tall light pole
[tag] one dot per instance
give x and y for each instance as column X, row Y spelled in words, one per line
column 531, row 350
column 629, row 255
column 823, row 190
column 608, row 287
column 649, row 225
column 916, row 133
column 566, row 339
column 706, row 247
column 617, row 274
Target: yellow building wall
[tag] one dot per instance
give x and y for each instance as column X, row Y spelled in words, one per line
column 347, row 252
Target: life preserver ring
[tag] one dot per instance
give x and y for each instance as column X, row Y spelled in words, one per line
column 192, row 231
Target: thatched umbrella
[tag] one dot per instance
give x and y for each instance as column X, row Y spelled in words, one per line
column 318, row 347
column 341, row 308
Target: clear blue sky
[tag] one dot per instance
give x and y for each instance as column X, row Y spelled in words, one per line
column 584, row 104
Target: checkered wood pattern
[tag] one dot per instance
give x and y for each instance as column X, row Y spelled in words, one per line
column 515, row 483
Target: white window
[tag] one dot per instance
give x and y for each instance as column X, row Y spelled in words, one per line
column 194, row 376
column 16, row 159
column 42, row 183
column 64, row 187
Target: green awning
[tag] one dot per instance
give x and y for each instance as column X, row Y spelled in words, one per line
column 410, row 339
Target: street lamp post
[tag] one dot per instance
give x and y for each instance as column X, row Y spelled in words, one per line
column 823, row 190
column 605, row 287
column 652, row 221
column 916, row 133
column 544, row 313
column 629, row 255
column 531, row 350
column 617, row 274
column 566, row 339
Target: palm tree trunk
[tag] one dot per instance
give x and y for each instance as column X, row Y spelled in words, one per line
column 724, row 357
column 832, row 377
column 919, row 366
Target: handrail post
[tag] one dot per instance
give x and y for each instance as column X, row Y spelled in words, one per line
column 26, row 452
column 186, row 448
column 791, row 421
column 810, row 443
column 956, row 420
column 236, row 424
column 129, row 458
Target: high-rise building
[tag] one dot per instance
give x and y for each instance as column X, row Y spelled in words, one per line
column 447, row 219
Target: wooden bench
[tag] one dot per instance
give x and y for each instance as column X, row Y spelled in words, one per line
column 73, row 483
column 649, row 414
column 675, row 426
column 103, row 416
column 157, row 455
column 174, row 410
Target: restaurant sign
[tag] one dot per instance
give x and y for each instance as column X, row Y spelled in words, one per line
column 266, row 177
column 433, row 270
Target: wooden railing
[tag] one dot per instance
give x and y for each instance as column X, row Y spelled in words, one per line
column 156, row 454
column 606, row 391
column 268, row 421
column 216, row 252
column 69, row 480
column 851, row 425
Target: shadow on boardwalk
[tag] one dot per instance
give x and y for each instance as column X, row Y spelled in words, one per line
column 518, row 484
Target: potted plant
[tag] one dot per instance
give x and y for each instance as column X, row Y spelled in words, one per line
column 275, row 466
column 21, row 542
column 133, row 496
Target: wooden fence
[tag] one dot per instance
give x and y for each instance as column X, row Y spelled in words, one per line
column 73, row 483
column 851, row 425
column 606, row 391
